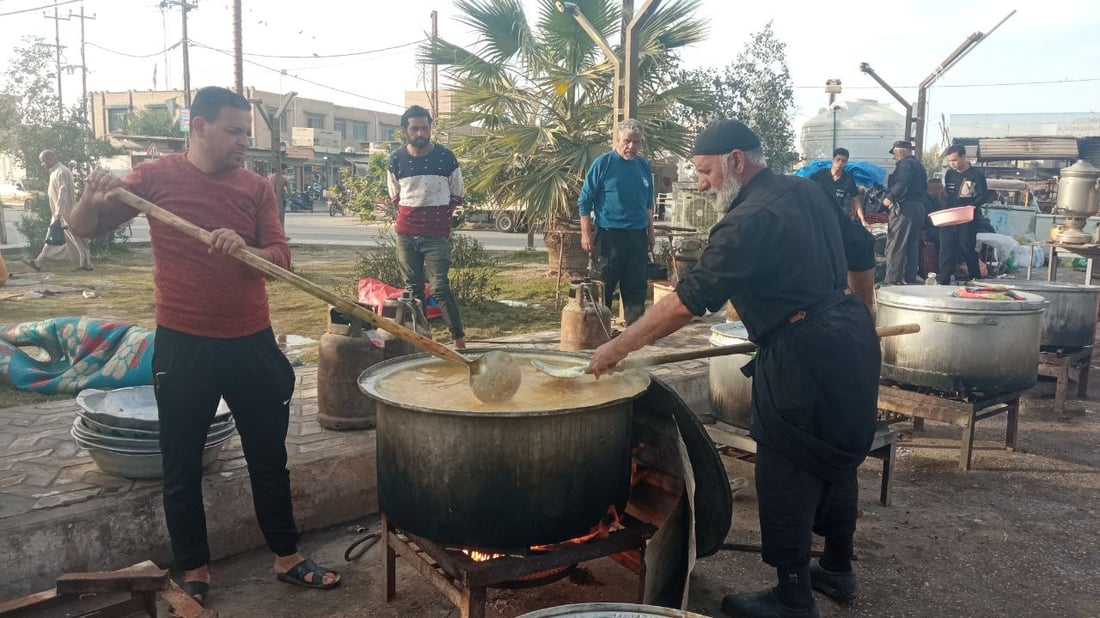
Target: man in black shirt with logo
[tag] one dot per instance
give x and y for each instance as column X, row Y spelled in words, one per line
column 779, row 255
column 841, row 185
column 964, row 185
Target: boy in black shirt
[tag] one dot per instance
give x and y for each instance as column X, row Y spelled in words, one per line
column 964, row 185
column 841, row 185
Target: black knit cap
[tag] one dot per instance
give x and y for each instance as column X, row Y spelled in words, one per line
column 725, row 136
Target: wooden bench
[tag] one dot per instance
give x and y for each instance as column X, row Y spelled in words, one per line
column 883, row 447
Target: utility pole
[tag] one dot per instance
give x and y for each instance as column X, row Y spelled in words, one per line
column 83, row 66
column 435, row 68
column 274, row 125
column 57, row 46
column 238, row 54
column 185, row 6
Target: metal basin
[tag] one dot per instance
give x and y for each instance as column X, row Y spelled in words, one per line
column 140, row 464
column 133, row 407
column 504, row 479
column 1070, row 320
column 984, row 346
column 150, row 445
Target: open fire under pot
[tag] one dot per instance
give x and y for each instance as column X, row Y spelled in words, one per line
column 493, row 499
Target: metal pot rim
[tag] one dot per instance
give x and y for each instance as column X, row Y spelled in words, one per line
column 1054, row 287
column 369, row 378
column 938, row 298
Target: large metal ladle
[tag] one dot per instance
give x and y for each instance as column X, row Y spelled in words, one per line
column 571, row 372
column 494, row 376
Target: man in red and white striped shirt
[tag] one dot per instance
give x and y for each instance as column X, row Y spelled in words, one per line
column 425, row 184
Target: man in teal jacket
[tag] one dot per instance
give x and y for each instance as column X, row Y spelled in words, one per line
column 618, row 194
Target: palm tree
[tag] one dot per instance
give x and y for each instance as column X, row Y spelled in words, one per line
column 541, row 96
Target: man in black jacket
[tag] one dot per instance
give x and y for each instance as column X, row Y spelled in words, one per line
column 964, row 185
column 780, row 255
column 905, row 199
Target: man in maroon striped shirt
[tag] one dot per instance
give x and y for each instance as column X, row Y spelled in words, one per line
column 213, row 337
column 425, row 184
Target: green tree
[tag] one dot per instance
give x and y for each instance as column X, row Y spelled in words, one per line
column 153, row 122
column 756, row 88
column 365, row 193
column 540, row 94
column 29, row 124
column 29, row 121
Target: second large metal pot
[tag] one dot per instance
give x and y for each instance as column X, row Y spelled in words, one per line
column 500, row 480
column 730, row 390
column 1070, row 319
column 985, row 346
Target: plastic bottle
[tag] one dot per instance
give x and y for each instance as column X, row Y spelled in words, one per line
column 931, row 279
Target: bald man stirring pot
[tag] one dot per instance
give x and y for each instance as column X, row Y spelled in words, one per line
column 780, row 256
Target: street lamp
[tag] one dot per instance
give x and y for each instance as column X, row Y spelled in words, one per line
column 832, row 86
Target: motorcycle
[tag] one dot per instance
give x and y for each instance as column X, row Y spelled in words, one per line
column 300, row 202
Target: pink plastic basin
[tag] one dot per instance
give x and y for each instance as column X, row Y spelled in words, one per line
column 952, row 216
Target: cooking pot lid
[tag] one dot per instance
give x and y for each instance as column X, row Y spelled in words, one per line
column 1081, row 169
column 939, row 297
column 729, row 330
column 1039, row 287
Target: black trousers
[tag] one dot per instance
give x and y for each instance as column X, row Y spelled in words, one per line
column 254, row 377
column 957, row 244
column 795, row 504
column 624, row 256
column 903, row 242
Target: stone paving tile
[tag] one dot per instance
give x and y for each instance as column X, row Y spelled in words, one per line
column 75, row 472
column 13, row 506
column 69, row 497
column 10, row 478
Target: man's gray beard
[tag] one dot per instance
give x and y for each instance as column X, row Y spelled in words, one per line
column 724, row 197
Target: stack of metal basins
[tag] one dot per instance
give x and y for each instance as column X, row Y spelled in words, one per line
column 120, row 430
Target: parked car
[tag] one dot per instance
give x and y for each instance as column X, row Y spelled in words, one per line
column 12, row 192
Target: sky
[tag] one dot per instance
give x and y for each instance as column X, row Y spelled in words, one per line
column 1043, row 59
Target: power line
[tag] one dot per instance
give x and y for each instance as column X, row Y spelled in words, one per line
column 989, row 85
column 112, row 51
column 341, row 55
column 39, row 8
column 291, row 75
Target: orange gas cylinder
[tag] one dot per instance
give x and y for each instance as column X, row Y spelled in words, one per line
column 585, row 320
column 345, row 352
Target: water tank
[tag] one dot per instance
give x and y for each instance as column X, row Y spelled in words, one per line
column 865, row 127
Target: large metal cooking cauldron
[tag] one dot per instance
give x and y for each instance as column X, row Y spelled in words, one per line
column 986, row 346
column 499, row 480
column 1070, row 319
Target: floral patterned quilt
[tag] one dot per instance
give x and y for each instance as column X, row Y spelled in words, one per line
column 67, row 355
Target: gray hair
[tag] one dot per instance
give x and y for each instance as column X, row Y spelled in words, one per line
column 628, row 126
column 756, row 158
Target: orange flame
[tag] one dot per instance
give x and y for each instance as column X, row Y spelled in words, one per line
column 608, row 523
column 478, row 556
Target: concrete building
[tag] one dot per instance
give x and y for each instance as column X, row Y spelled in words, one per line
column 317, row 137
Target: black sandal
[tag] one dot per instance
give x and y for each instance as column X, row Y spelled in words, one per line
column 297, row 575
column 197, row 590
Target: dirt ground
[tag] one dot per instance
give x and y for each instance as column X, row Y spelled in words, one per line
column 1016, row 536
